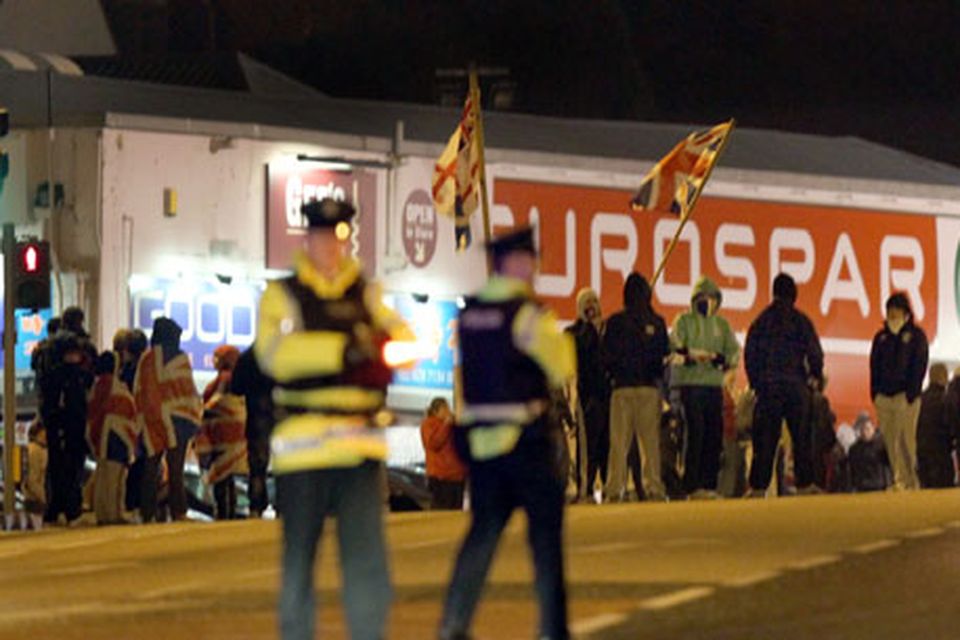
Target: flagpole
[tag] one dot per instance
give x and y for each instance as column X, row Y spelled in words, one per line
column 475, row 97
column 683, row 221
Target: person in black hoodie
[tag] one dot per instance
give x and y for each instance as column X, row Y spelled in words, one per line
column 936, row 438
column 635, row 346
column 784, row 359
column 898, row 364
column 256, row 387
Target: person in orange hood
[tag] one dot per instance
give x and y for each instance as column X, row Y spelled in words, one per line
column 445, row 472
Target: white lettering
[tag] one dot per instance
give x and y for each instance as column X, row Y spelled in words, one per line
column 907, row 280
column 734, row 267
column 663, row 232
column 621, row 260
column 298, row 193
column 792, row 240
column 558, row 285
column 836, row 289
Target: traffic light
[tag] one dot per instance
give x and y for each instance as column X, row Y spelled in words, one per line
column 31, row 278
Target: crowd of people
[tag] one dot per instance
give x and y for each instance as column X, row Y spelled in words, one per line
column 135, row 410
column 673, row 396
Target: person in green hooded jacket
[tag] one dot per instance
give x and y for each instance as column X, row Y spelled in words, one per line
column 704, row 348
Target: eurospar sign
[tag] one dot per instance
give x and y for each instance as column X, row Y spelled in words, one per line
column 846, row 262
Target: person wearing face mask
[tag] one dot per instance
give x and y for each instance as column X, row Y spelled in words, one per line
column 704, row 349
column 898, row 365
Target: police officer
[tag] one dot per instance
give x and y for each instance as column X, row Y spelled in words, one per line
column 320, row 338
column 512, row 354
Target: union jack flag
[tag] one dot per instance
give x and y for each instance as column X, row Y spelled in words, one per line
column 675, row 182
column 112, row 417
column 456, row 176
column 222, row 442
column 162, row 392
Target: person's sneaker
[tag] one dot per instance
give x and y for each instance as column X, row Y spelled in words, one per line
column 810, row 490
column 755, row 493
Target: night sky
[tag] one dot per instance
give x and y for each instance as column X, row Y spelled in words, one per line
column 885, row 71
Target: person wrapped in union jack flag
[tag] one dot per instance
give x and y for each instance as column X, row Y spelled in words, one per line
column 169, row 409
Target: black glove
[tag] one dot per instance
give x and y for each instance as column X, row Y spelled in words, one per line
column 719, row 361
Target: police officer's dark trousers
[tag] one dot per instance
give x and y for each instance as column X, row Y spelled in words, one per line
column 775, row 403
column 354, row 496
column 525, row 478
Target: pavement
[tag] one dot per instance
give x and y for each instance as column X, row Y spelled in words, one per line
column 853, row 566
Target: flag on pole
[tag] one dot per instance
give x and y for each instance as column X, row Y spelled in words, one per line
column 456, row 176
column 674, row 184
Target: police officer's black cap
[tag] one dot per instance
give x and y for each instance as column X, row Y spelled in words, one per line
column 327, row 213
column 520, row 240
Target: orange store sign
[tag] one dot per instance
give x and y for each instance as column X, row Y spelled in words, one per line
column 846, row 261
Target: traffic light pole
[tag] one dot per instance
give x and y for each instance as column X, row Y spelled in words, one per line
column 9, row 372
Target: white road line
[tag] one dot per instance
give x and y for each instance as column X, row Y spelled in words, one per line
column 604, row 548
column 597, row 623
column 813, row 562
column 750, row 579
column 872, row 547
column 90, row 568
column 676, row 598
column 925, row 533
column 954, row 524
column 185, row 587
column 434, row 542
column 78, row 544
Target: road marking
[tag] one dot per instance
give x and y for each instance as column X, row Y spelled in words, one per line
column 694, row 542
column 676, row 598
column 750, row 579
column 79, row 544
column 813, row 562
column 872, row 547
column 185, row 587
column 597, row 623
column 90, row 568
column 434, row 542
column 604, row 548
column 954, row 524
column 925, row 533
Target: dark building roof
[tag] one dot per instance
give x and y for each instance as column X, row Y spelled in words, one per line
column 252, row 93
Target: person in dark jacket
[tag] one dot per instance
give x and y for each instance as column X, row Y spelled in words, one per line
column 936, row 437
column 898, row 364
column 635, row 346
column 256, row 387
column 64, row 379
column 783, row 358
column 867, row 458
column 593, row 393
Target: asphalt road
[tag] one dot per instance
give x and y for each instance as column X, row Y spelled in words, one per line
column 866, row 566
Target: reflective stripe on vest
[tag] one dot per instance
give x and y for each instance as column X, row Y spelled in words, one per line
column 518, row 413
column 314, row 441
column 341, row 399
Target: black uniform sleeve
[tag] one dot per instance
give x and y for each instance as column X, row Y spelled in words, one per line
column 660, row 349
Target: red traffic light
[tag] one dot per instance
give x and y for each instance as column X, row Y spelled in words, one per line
column 31, row 259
